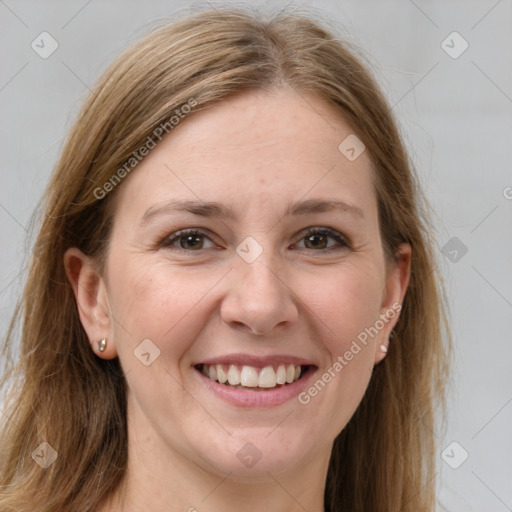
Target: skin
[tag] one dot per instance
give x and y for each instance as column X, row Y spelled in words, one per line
column 255, row 152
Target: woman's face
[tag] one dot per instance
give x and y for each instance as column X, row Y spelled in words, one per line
column 284, row 272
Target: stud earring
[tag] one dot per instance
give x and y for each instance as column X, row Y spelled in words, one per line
column 384, row 348
column 102, row 345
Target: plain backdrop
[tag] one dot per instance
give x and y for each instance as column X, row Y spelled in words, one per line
column 454, row 105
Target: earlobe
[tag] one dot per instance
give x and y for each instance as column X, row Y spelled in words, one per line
column 397, row 282
column 91, row 298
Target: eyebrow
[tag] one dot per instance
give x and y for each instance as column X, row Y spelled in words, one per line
column 215, row 209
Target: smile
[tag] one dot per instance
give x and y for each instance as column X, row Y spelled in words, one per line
column 245, row 380
column 243, row 377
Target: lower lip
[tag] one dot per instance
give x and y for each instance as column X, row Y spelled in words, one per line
column 261, row 398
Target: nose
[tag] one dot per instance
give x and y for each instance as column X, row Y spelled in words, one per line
column 258, row 300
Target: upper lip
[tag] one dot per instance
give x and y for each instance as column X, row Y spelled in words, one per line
column 258, row 361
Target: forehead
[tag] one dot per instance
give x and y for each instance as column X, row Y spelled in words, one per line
column 266, row 147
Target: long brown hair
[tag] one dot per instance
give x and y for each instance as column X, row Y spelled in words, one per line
column 59, row 392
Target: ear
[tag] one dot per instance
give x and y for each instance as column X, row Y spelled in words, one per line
column 91, row 299
column 397, row 281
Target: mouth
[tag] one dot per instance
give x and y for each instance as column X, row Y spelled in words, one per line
column 248, row 380
column 254, row 378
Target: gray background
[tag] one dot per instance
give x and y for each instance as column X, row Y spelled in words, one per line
column 456, row 117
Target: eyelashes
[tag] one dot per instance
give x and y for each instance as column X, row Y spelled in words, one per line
column 190, row 235
column 192, row 240
column 312, row 234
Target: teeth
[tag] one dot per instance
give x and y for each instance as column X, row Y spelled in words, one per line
column 233, row 375
column 267, row 378
column 281, row 374
column 290, row 373
column 222, row 376
column 251, row 377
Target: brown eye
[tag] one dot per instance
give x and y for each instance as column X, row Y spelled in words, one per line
column 191, row 241
column 188, row 240
column 318, row 239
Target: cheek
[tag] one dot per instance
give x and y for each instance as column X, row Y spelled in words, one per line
column 345, row 300
column 152, row 300
column 346, row 304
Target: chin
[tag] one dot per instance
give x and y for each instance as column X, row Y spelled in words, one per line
column 254, row 453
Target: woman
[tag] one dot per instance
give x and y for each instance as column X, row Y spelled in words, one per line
column 233, row 302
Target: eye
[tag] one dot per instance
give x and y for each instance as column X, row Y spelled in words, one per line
column 317, row 239
column 188, row 239
column 193, row 240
